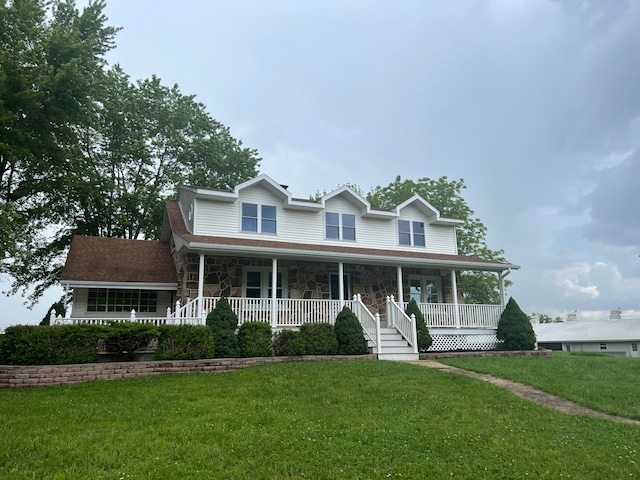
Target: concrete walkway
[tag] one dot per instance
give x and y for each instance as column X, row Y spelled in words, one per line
column 529, row 393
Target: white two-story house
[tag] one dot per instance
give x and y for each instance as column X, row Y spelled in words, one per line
column 288, row 261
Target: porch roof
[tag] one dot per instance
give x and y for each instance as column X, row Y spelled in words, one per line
column 119, row 261
column 319, row 252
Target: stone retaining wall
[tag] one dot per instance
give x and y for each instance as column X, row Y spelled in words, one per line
column 18, row 376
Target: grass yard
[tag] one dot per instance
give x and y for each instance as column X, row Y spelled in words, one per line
column 355, row 420
column 604, row 383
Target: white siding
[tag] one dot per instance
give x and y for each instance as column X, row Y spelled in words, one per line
column 187, row 199
column 224, row 219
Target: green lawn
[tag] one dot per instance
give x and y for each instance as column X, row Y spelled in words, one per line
column 324, row 420
column 608, row 384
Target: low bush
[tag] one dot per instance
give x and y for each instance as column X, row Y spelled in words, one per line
column 43, row 345
column 349, row 334
column 184, row 342
column 223, row 322
column 254, row 339
column 424, row 337
column 287, row 343
column 318, row 339
column 126, row 339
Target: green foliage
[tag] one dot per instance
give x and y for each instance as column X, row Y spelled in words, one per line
column 542, row 318
column 287, row 343
column 349, row 334
column 59, row 309
column 445, row 195
column 514, row 329
column 223, row 323
column 184, row 342
column 318, row 339
column 424, row 337
column 85, row 150
column 126, row 339
column 254, row 339
column 318, row 420
column 41, row 345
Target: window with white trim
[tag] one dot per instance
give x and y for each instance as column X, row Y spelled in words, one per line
column 411, row 233
column 340, row 226
column 258, row 282
column 634, row 347
column 603, row 346
column 121, row 300
column 258, row 218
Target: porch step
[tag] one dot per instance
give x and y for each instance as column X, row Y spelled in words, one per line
column 394, row 346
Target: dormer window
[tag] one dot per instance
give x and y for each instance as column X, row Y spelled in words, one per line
column 340, row 226
column 258, row 218
column 411, row 233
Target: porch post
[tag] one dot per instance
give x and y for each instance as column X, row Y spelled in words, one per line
column 400, row 288
column 501, row 277
column 201, row 286
column 341, row 284
column 67, row 310
column 274, row 290
column 454, row 290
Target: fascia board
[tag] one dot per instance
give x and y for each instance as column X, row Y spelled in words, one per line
column 205, row 248
column 123, row 285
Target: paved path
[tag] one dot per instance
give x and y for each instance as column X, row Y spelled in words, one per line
column 529, row 393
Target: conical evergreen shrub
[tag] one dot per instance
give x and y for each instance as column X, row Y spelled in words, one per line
column 514, row 329
column 424, row 337
column 223, row 322
column 349, row 334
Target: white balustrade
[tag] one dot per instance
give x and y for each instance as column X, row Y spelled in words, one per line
column 442, row 315
column 405, row 325
column 370, row 324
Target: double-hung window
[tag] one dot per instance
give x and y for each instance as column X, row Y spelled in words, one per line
column 411, row 233
column 340, row 226
column 258, row 218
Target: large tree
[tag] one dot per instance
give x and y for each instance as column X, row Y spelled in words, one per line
column 84, row 150
column 446, row 196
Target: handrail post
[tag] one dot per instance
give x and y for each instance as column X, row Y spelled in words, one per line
column 414, row 332
column 378, row 335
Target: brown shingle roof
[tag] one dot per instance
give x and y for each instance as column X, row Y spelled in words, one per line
column 98, row 259
column 178, row 226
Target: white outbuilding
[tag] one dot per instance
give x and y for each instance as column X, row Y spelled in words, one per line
column 616, row 336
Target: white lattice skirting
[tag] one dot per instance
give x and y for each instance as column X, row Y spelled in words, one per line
column 445, row 343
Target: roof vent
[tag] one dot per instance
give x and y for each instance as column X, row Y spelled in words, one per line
column 615, row 314
column 572, row 317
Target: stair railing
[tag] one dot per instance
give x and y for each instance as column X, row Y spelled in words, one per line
column 370, row 324
column 404, row 324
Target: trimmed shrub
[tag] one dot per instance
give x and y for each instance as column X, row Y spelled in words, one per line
column 318, row 339
column 184, row 342
column 287, row 343
column 126, row 339
column 349, row 334
column 254, row 339
column 424, row 337
column 514, row 329
column 43, row 345
column 223, row 322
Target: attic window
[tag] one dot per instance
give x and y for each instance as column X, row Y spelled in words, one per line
column 411, row 233
column 258, row 218
column 340, row 226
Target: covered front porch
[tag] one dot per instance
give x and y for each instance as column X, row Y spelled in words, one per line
column 312, row 291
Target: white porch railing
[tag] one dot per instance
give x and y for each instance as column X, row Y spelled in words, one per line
column 404, row 324
column 370, row 324
column 443, row 315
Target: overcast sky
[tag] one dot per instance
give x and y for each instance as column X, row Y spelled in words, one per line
column 535, row 104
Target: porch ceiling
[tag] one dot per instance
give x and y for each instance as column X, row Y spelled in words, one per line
column 250, row 247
